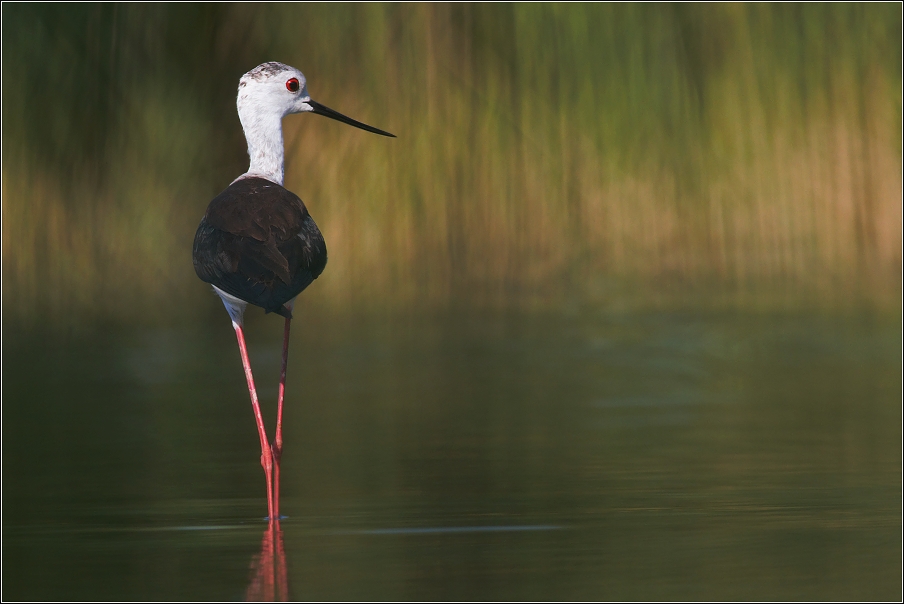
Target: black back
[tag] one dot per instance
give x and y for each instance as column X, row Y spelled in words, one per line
column 258, row 243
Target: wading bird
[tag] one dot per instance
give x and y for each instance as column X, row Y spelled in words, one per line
column 257, row 244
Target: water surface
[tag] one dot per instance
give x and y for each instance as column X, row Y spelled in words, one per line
column 461, row 455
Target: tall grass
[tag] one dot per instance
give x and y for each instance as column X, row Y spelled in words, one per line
column 543, row 150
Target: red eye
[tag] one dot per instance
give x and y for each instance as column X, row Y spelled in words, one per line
column 292, row 85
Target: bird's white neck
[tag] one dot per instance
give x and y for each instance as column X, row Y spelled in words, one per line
column 263, row 131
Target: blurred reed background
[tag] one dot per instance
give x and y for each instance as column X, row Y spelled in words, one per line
column 723, row 154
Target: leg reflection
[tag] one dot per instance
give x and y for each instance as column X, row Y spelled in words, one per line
column 269, row 579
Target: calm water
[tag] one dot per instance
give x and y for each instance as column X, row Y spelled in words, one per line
column 461, row 456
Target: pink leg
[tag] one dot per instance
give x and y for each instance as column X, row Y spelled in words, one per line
column 266, row 455
column 277, row 444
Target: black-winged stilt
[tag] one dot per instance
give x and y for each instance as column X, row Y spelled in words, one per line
column 257, row 244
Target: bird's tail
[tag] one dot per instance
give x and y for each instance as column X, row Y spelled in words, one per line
column 281, row 310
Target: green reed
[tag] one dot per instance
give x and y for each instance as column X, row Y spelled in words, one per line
column 543, row 150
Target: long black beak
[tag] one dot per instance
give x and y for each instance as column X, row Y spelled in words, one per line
column 323, row 110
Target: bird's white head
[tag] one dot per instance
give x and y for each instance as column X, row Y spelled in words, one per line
column 268, row 93
column 273, row 89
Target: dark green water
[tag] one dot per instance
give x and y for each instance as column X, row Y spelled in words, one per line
column 462, row 456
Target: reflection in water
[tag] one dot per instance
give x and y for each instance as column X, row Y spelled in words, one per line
column 461, row 456
column 269, row 581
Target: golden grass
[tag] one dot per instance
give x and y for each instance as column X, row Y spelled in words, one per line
column 542, row 151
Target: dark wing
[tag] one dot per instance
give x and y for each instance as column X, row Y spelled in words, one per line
column 258, row 243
